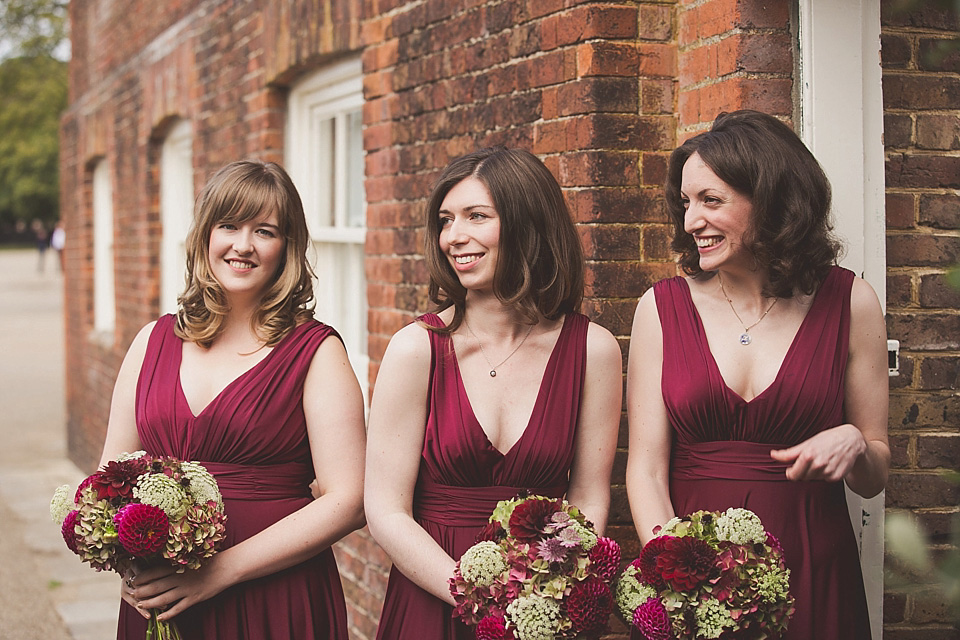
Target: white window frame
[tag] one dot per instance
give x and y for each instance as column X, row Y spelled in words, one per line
column 841, row 121
column 319, row 166
column 104, row 290
column 176, row 211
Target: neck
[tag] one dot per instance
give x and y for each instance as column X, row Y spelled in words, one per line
column 489, row 316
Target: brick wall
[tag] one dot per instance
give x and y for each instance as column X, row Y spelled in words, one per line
column 921, row 96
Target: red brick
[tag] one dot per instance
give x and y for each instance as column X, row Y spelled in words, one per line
column 896, row 51
column 922, row 250
column 920, row 92
column 900, row 210
column 598, row 167
column 761, row 14
column 591, row 95
column 924, row 411
column 610, row 241
column 622, row 131
column 600, row 58
column 924, row 15
column 938, row 132
column 900, row 457
column 617, row 205
column 615, row 314
column 936, row 292
column 656, row 97
column 941, row 211
column 655, row 23
column 656, row 243
column 936, row 172
column 939, row 54
column 912, row 490
column 940, row 450
column 927, row 332
column 657, row 60
column 624, row 279
column 716, row 17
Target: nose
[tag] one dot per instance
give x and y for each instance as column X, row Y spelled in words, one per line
column 243, row 241
column 692, row 220
column 456, row 231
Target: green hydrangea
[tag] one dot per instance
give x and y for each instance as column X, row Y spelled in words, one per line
column 130, row 456
column 773, row 584
column 588, row 539
column 534, row 618
column 61, row 504
column 503, row 511
column 482, row 563
column 631, row 593
column 162, row 491
column 740, row 526
column 98, row 535
column 203, row 486
column 712, row 618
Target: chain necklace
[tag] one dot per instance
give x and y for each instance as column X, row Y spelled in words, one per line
column 745, row 338
column 493, row 369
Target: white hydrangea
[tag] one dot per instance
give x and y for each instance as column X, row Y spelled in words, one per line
column 62, row 503
column 740, row 526
column 482, row 563
column 712, row 618
column 130, row 456
column 631, row 593
column 160, row 490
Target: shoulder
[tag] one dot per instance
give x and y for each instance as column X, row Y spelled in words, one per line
column 412, row 342
column 863, row 298
column 601, row 343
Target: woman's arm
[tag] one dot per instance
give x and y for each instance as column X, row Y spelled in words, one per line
column 648, row 460
column 333, row 406
column 596, row 438
column 398, row 416
column 122, row 425
column 857, row 451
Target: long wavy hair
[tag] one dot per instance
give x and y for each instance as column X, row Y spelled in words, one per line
column 239, row 192
column 540, row 267
column 791, row 237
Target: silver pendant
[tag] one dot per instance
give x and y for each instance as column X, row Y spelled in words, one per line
column 745, row 338
column 493, row 373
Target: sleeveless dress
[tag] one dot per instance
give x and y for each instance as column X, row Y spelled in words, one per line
column 253, row 439
column 721, row 450
column 462, row 476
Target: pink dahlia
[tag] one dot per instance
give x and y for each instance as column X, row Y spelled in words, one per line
column 492, row 628
column 68, row 531
column 605, row 558
column 686, row 562
column 83, row 485
column 116, row 480
column 589, row 605
column 652, row 620
column 142, row 529
column 530, row 517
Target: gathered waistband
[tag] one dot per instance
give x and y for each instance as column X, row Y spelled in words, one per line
column 727, row 460
column 468, row 506
column 262, row 482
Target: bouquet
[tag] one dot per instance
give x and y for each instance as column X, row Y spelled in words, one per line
column 708, row 575
column 145, row 510
column 538, row 572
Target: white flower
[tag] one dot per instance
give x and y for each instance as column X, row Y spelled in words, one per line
column 160, row 490
column 740, row 526
column 534, row 618
column 61, row 504
column 482, row 563
column 130, row 456
column 712, row 619
column 203, row 486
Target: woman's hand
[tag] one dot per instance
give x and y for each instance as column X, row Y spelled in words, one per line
column 829, row 455
column 162, row 588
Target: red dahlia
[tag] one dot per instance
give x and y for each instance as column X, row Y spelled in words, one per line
column 652, row 620
column 686, row 562
column 83, row 485
column 491, row 532
column 648, row 562
column 589, row 605
column 68, row 530
column 492, row 628
column 142, row 528
column 117, row 479
column 530, row 517
column 605, row 558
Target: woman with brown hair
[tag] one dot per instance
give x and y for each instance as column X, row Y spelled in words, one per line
column 507, row 388
column 244, row 381
column 760, row 379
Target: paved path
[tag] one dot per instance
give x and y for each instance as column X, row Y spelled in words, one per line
column 46, row 593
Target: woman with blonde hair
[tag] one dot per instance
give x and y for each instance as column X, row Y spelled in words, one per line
column 506, row 388
column 243, row 380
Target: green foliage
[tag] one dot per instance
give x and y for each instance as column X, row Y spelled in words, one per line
column 33, row 93
column 33, row 28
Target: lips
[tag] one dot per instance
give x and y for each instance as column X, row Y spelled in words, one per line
column 706, row 242
column 466, row 260
column 241, row 265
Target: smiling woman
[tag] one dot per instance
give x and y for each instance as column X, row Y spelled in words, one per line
column 244, row 380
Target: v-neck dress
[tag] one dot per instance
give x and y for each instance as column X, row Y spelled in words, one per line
column 253, row 438
column 721, row 450
column 463, row 476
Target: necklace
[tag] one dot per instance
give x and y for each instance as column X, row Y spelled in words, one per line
column 745, row 338
column 493, row 369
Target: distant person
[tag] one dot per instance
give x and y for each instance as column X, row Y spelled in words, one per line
column 245, row 381
column 42, row 240
column 57, row 241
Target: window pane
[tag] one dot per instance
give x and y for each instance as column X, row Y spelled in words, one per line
column 356, row 216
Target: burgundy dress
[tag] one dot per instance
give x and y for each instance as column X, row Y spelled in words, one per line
column 462, row 476
column 721, row 450
column 253, row 439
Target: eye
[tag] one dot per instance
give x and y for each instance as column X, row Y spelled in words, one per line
column 266, row 233
column 476, row 215
column 227, row 226
column 444, row 221
column 685, row 202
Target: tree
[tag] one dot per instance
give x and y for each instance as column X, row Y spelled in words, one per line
column 33, row 28
column 33, row 93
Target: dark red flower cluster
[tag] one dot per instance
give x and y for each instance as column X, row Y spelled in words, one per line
column 652, row 620
column 492, row 628
column 648, row 562
column 530, row 517
column 491, row 532
column 605, row 558
column 77, row 498
column 589, row 605
column 116, row 480
column 68, row 530
column 686, row 562
column 142, row 528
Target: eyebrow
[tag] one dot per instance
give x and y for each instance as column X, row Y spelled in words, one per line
column 470, row 208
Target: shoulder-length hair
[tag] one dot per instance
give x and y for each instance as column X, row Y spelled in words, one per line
column 791, row 236
column 540, row 266
column 239, row 192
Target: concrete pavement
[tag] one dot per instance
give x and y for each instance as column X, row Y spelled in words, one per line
column 46, row 593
